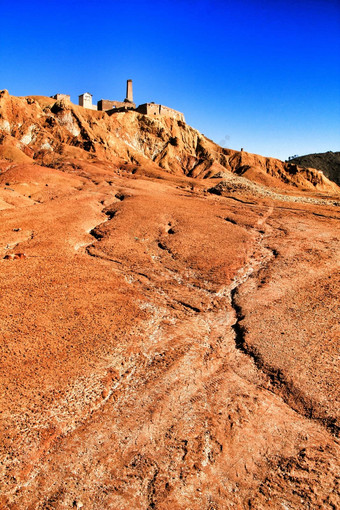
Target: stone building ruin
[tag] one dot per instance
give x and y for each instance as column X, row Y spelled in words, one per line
column 85, row 100
column 112, row 106
column 105, row 105
column 59, row 97
column 159, row 109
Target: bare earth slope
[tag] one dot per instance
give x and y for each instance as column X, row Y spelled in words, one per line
column 168, row 339
column 49, row 132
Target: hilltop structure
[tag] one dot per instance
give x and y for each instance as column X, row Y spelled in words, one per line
column 85, row 100
column 129, row 94
column 112, row 106
column 151, row 108
column 58, row 97
column 106, row 105
column 159, row 109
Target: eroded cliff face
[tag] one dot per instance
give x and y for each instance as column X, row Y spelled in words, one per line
column 45, row 130
column 167, row 341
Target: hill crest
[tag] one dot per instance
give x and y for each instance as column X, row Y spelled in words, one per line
column 42, row 130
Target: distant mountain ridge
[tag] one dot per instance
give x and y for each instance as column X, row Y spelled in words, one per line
column 328, row 162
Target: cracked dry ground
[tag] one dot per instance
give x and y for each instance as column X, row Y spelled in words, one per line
column 165, row 348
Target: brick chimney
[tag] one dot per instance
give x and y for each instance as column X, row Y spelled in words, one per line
column 129, row 95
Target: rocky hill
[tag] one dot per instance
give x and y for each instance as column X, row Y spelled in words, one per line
column 42, row 130
column 169, row 329
column 328, row 162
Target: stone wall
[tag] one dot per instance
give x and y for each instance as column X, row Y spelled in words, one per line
column 58, row 97
column 165, row 110
column 159, row 109
column 106, row 104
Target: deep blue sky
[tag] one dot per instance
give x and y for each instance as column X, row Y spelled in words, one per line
column 258, row 74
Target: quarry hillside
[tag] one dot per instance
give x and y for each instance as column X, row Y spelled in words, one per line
column 169, row 328
column 45, row 131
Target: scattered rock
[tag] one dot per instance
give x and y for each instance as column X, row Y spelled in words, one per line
column 15, row 256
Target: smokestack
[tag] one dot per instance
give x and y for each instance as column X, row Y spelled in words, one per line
column 129, row 95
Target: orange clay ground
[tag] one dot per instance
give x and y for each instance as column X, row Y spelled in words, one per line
column 167, row 342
